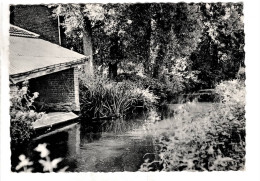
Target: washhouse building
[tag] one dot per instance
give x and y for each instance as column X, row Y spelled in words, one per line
column 50, row 69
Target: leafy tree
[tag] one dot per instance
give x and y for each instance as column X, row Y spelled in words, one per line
column 140, row 35
column 208, row 37
column 79, row 20
column 176, row 33
column 114, row 32
column 220, row 52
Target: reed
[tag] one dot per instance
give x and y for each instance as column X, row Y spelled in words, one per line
column 115, row 101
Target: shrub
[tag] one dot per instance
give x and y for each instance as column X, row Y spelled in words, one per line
column 168, row 86
column 213, row 139
column 151, row 84
column 22, row 116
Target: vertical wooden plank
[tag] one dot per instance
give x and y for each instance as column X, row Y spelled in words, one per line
column 76, row 88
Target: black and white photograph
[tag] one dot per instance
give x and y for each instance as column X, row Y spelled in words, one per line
column 127, row 87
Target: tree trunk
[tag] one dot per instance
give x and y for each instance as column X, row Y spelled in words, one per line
column 112, row 70
column 147, row 63
column 87, row 47
column 156, row 71
column 158, row 62
column 115, row 55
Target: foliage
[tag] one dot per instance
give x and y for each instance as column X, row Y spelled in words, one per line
column 169, row 86
column 212, row 139
column 144, row 82
column 220, row 51
column 176, row 31
column 110, row 29
column 47, row 164
column 179, row 79
column 103, row 98
column 114, row 102
column 209, row 36
column 21, row 114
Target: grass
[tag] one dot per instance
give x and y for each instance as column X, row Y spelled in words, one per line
column 115, row 101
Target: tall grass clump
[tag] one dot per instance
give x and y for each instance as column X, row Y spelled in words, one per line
column 116, row 101
column 201, row 139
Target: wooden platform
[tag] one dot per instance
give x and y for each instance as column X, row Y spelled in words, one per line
column 54, row 118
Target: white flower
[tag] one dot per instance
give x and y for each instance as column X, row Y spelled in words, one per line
column 23, row 162
column 50, row 165
column 43, row 150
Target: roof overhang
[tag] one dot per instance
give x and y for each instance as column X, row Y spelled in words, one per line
column 15, row 78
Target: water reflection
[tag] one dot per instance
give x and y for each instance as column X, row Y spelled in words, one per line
column 91, row 152
column 74, row 140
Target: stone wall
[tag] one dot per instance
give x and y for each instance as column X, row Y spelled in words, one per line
column 57, row 91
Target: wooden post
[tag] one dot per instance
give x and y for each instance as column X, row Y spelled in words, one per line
column 59, row 30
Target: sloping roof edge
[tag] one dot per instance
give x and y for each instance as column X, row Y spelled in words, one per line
column 75, row 62
column 15, row 78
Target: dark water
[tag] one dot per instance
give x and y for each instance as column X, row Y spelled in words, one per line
column 86, row 151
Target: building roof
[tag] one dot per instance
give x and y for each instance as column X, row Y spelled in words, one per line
column 28, row 53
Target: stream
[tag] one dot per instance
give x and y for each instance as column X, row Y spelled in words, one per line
column 91, row 152
column 84, row 150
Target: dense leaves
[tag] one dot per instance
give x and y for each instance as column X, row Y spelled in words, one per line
column 207, row 37
column 210, row 137
column 220, row 53
column 22, row 115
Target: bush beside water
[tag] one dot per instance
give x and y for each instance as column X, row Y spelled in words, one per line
column 22, row 115
column 209, row 140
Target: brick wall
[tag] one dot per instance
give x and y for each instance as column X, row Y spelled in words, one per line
column 36, row 18
column 58, row 91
